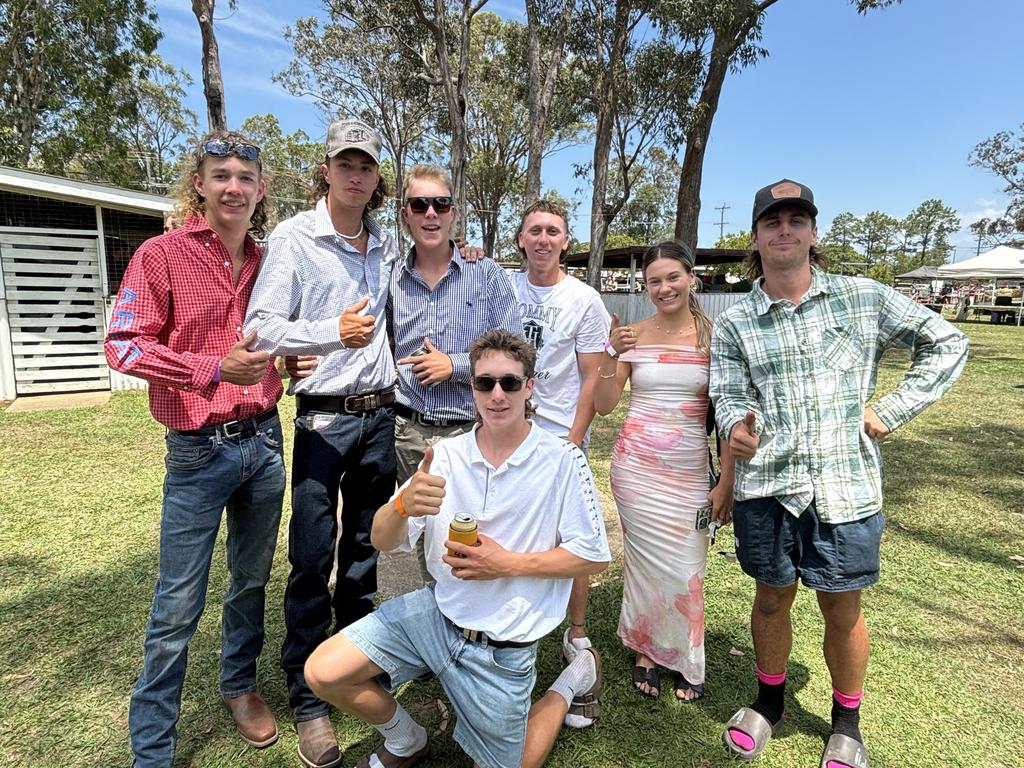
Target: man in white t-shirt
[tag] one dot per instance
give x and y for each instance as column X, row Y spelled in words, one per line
column 568, row 324
column 476, row 628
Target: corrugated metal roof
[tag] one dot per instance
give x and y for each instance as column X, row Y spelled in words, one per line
column 73, row 190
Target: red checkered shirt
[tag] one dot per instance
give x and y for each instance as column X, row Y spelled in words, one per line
column 176, row 315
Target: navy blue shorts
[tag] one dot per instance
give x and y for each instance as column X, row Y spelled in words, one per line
column 777, row 548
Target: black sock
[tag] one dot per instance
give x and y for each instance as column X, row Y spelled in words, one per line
column 769, row 701
column 846, row 720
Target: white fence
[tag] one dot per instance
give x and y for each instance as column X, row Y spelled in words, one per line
column 631, row 307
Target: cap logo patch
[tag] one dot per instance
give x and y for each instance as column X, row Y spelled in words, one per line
column 786, row 189
column 357, row 135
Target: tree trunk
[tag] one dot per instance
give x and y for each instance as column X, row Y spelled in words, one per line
column 541, row 90
column 728, row 37
column 213, row 83
column 691, row 174
column 606, row 102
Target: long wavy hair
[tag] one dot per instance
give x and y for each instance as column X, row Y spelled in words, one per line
column 190, row 203
column 320, row 188
column 681, row 252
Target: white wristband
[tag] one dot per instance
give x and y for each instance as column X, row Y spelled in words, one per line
column 610, row 349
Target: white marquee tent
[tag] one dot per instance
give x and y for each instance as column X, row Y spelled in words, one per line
column 1000, row 262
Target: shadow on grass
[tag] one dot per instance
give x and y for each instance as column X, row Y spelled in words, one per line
column 957, row 471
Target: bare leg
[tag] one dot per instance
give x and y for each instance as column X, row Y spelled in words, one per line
column 578, row 607
column 771, row 627
column 341, row 674
column 542, row 728
column 846, row 643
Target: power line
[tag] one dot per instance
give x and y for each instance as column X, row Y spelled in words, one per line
column 721, row 219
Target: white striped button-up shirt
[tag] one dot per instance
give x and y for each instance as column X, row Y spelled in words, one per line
column 309, row 276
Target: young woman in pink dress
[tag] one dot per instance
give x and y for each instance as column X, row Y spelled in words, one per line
column 660, row 473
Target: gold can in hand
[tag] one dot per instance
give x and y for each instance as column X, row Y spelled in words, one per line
column 463, row 530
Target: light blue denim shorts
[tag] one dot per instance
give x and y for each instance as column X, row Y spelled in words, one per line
column 489, row 688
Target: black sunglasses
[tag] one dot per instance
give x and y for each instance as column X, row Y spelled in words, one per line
column 223, row 148
column 509, row 382
column 441, row 204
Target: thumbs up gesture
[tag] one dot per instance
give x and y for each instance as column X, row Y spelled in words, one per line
column 429, row 364
column 425, row 491
column 622, row 337
column 240, row 366
column 355, row 329
column 743, row 438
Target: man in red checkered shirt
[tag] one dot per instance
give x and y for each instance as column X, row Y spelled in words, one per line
column 177, row 323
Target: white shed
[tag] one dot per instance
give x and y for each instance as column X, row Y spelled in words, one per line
column 64, row 245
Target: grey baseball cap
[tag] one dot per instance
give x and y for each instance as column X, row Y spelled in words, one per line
column 351, row 133
column 784, row 192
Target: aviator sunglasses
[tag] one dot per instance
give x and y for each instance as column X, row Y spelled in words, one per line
column 223, row 148
column 441, row 204
column 509, row 382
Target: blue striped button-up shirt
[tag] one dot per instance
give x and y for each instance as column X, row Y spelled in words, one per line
column 808, row 370
column 470, row 299
column 309, row 276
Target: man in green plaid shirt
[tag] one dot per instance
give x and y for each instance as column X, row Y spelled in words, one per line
column 792, row 369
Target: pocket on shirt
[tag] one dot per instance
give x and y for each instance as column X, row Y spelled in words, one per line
column 842, row 349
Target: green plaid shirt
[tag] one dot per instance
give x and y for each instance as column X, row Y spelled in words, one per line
column 808, row 370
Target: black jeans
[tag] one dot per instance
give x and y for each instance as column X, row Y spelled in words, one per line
column 356, row 454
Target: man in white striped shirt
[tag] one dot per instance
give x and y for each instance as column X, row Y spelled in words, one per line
column 322, row 290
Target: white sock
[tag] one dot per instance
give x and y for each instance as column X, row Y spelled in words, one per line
column 577, row 678
column 402, row 735
column 571, row 648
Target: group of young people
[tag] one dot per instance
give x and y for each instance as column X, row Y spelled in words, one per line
column 498, row 380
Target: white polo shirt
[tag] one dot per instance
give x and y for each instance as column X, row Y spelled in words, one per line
column 541, row 497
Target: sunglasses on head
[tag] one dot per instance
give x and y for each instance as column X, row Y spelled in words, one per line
column 223, row 148
column 441, row 204
column 509, row 382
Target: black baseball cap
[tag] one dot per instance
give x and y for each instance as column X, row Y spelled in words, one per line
column 785, row 192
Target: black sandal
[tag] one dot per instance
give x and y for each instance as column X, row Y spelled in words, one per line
column 682, row 684
column 647, row 675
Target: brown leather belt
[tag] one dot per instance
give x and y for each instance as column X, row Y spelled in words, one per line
column 476, row 636
column 361, row 403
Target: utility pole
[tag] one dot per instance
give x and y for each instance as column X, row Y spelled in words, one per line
column 721, row 219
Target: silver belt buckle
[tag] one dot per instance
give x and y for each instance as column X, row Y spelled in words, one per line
column 228, row 426
column 371, row 401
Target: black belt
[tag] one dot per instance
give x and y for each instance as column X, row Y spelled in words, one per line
column 230, row 429
column 476, row 636
column 408, row 413
column 361, row 403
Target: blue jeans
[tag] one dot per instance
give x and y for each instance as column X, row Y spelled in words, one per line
column 205, row 474
column 353, row 453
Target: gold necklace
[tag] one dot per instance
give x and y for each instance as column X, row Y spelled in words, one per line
column 668, row 331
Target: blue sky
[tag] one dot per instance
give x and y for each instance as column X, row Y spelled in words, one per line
column 875, row 112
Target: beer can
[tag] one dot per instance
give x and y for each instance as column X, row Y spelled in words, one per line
column 463, row 530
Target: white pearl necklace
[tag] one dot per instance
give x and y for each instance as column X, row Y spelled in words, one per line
column 352, row 237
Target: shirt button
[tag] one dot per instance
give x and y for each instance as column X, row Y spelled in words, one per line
column 188, row 387
column 227, row 263
column 245, row 391
column 238, row 328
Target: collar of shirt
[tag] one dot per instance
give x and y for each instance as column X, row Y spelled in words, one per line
column 197, row 226
column 456, row 262
column 324, row 227
column 519, row 455
column 763, row 302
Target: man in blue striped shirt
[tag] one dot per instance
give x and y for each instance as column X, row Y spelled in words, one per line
column 793, row 367
column 322, row 291
column 439, row 303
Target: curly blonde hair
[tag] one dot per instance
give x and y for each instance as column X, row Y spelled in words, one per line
column 190, row 203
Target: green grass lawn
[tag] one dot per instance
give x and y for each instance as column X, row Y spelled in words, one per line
column 78, row 558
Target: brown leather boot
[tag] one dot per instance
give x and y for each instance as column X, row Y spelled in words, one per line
column 253, row 719
column 318, row 746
